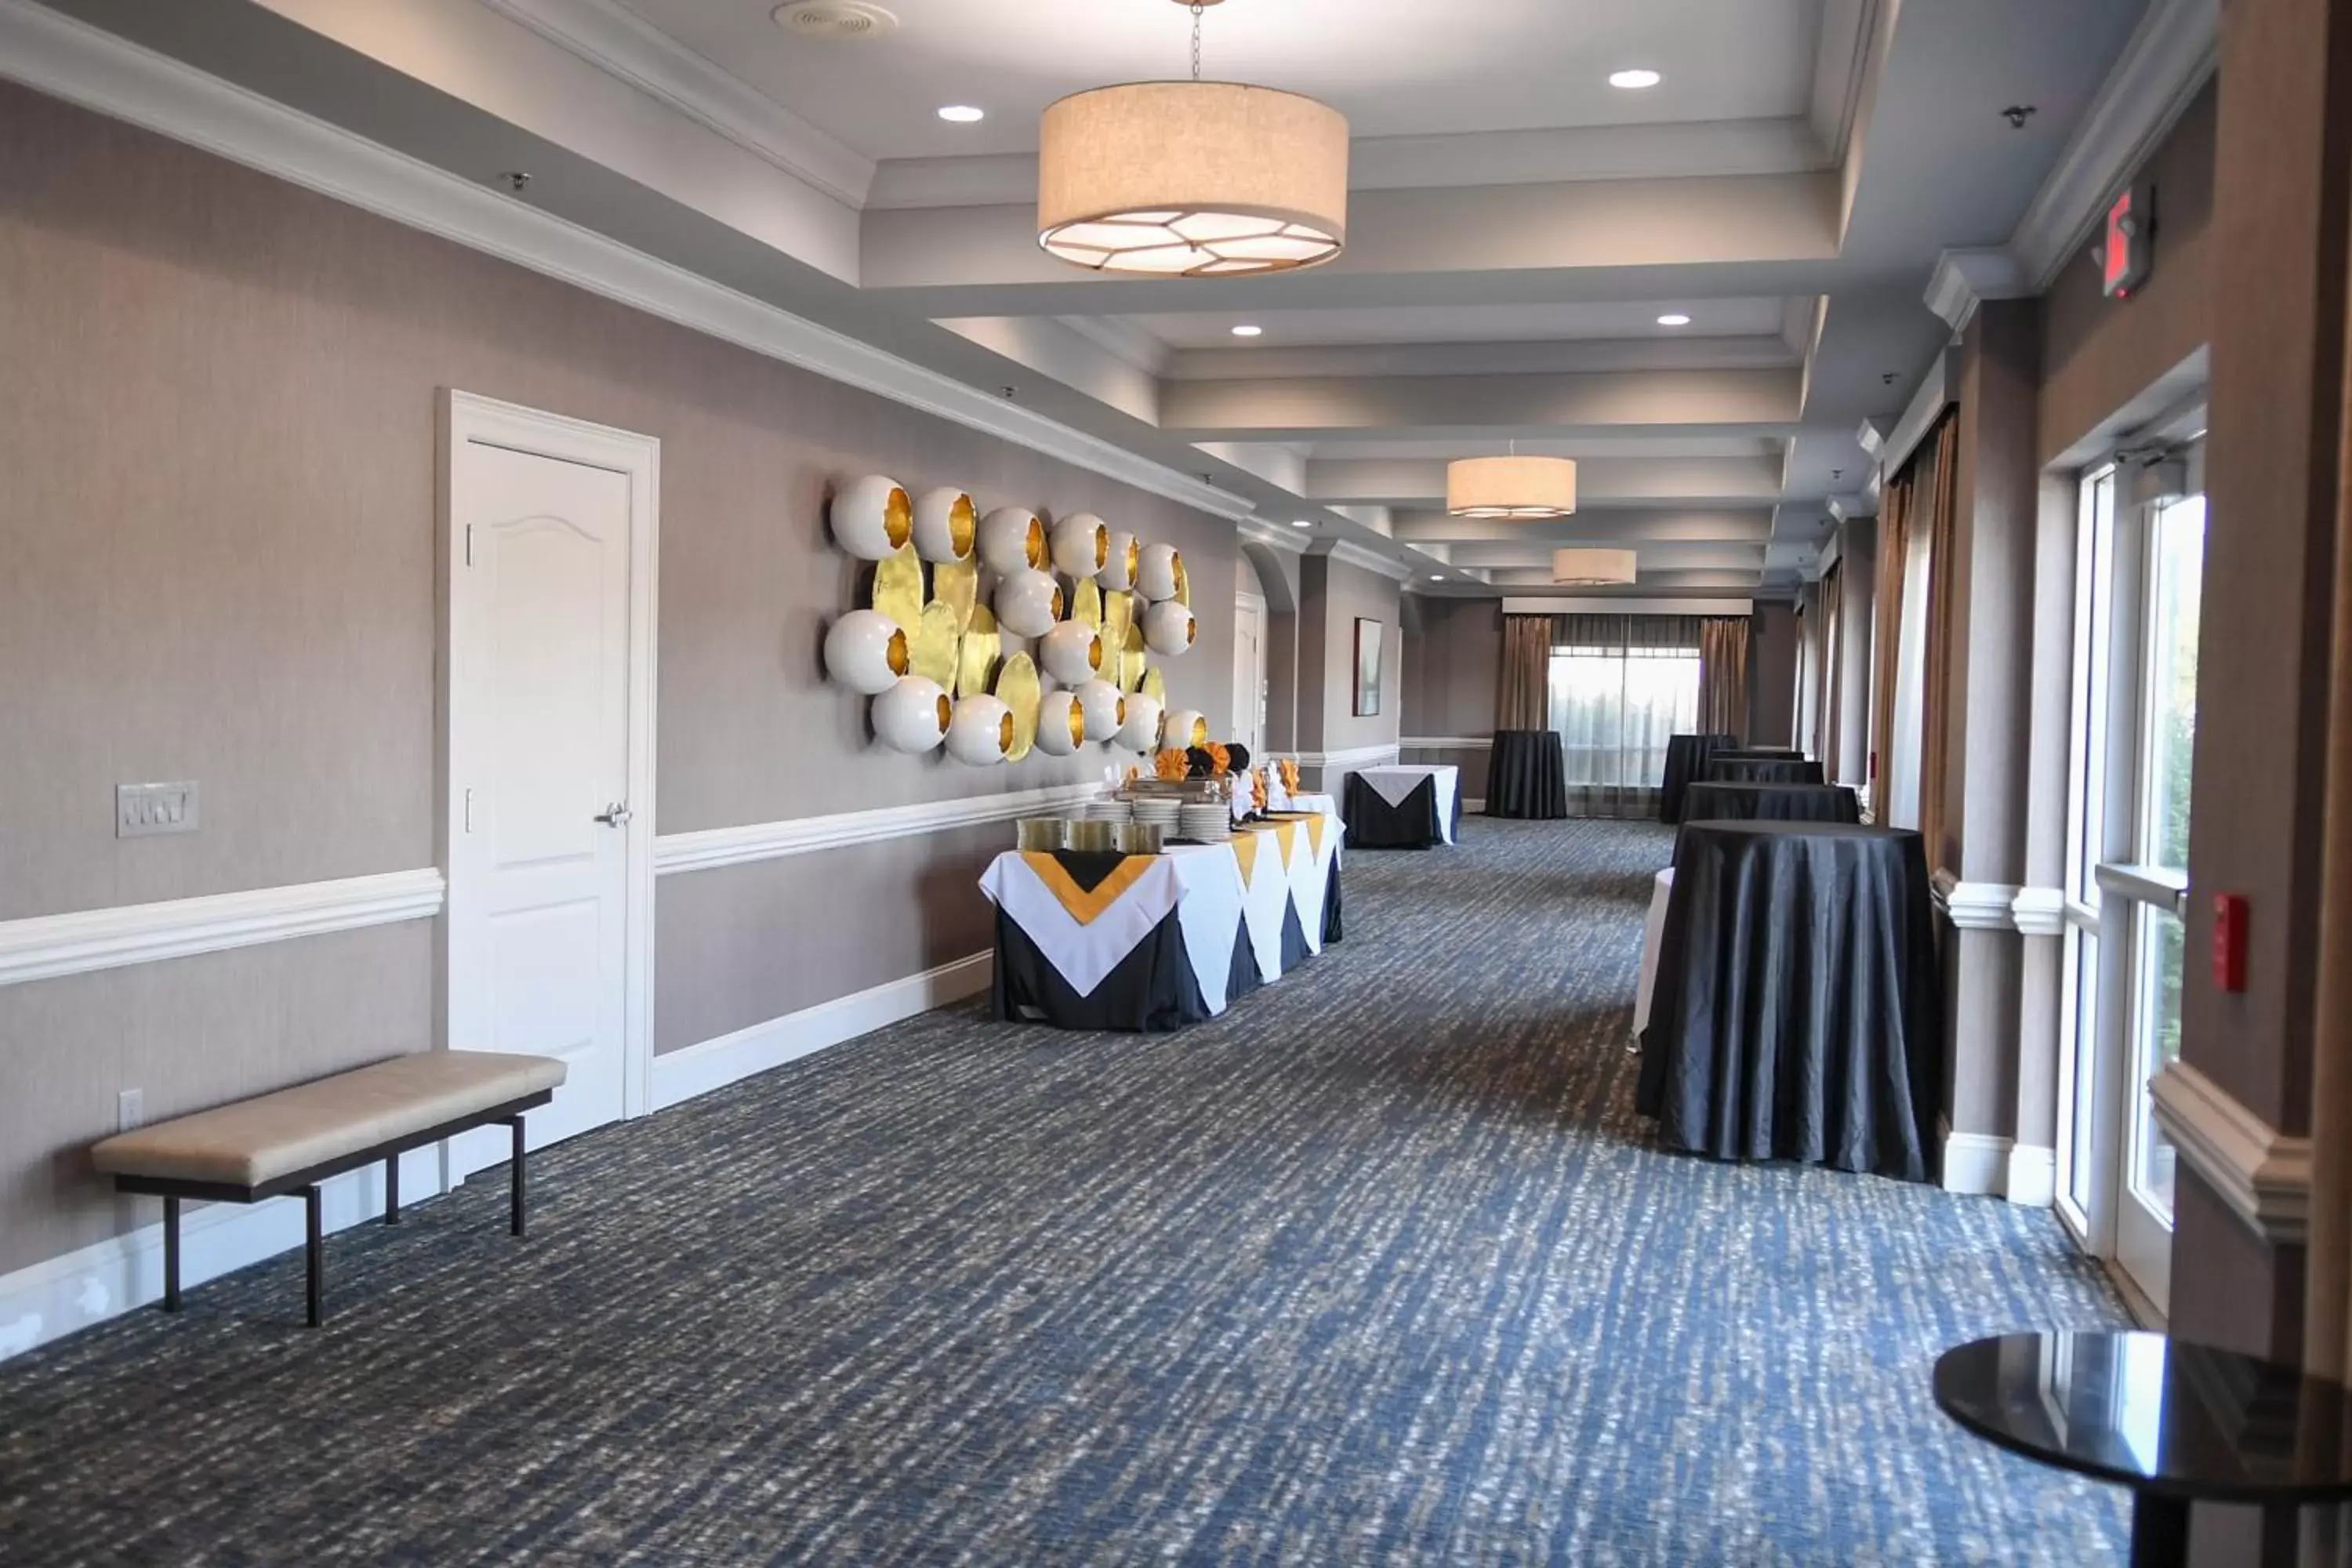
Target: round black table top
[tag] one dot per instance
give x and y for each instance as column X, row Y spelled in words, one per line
column 1722, row 768
column 1759, row 752
column 2177, row 1420
column 1709, row 801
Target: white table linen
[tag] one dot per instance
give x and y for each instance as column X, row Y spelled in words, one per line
column 1654, row 930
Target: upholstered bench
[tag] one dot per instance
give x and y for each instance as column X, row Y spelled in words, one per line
column 290, row 1142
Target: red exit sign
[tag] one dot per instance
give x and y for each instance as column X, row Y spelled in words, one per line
column 2126, row 256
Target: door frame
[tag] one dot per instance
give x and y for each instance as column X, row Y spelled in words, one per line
column 466, row 416
column 1253, row 606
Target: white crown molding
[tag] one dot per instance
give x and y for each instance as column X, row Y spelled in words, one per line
column 1446, row 743
column 1871, row 436
column 2163, row 66
column 43, row 947
column 1123, row 341
column 1291, row 540
column 1974, row 906
column 2261, row 1173
column 70, row 59
column 1355, row 554
column 1964, row 279
column 701, row 851
column 1354, row 758
column 620, row 44
column 2039, row 911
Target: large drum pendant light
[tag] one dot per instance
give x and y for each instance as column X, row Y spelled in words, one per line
column 1592, row 568
column 1510, row 487
column 1192, row 179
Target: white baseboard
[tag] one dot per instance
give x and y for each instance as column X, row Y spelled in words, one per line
column 680, row 1075
column 2032, row 1177
column 1974, row 1162
column 47, row 1300
column 50, row 1300
column 1473, row 806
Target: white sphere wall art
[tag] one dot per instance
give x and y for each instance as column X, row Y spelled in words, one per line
column 1028, row 602
column 913, row 715
column 1141, row 731
column 1119, row 566
column 980, row 732
column 1071, row 652
column 947, row 526
column 1186, row 727
column 1159, row 569
column 1061, row 724
column 1012, row 540
column 1168, row 629
column 1106, row 709
column 1081, row 544
column 867, row 651
column 872, row 518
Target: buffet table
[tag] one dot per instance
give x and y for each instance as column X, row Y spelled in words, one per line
column 1797, row 1014
column 1404, row 806
column 1089, row 940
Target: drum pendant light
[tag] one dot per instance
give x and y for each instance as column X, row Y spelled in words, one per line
column 1592, row 568
column 1510, row 487
column 1192, row 179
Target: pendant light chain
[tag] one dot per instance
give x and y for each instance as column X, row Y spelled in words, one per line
column 1197, row 9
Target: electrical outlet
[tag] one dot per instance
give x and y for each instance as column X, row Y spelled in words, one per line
column 130, row 1109
column 144, row 809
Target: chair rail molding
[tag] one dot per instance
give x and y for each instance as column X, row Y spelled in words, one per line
column 1356, row 757
column 708, row 847
column 2263, row 1174
column 1447, row 743
column 1975, row 906
column 2039, row 911
column 56, row 54
column 44, row 947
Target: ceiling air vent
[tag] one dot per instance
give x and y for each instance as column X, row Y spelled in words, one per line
column 835, row 21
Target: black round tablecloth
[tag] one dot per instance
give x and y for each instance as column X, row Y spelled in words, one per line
column 1721, row 769
column 1686, row 760
column 1760, row 752
column 1527, row 776
column 1770, row 803
column 1797, row 1014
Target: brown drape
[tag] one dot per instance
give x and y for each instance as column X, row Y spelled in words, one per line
column 1886, row 631
column 1723, row 675
column 1523, row 695
column 1939, row 701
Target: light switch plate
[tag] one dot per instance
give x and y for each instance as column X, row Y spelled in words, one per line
column 143, row 808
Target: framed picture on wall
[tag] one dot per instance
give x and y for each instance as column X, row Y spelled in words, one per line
column 1368, row 668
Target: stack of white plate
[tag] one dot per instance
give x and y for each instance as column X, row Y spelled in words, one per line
column 1210, row 824
column 1156, row 811
column 1106, row 811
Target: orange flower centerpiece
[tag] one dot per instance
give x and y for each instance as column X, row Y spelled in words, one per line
column 1221, row 761
column 1289, row 775
column 1258, row 791
column 1170, row 765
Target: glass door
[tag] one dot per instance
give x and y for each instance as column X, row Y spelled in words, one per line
column 2139, row 570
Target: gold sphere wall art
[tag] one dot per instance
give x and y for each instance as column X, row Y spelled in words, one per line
column 1002, row 634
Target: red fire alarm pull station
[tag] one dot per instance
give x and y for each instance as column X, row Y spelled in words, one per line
column 2229, row 940
column 2126, row 253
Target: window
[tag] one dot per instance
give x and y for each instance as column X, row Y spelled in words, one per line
column 1615, row 707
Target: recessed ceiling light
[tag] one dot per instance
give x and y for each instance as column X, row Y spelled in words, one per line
column 1638, row 78
column 1246, row 331
column 1674, row 318
column 1437, row 576
column 1302, row 522
column 962, row 114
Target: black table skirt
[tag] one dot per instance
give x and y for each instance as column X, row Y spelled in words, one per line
column 1762, row 770
column 1686, row 760
column 1760, row 753
column 1411, row 823
column 1797, row 1014
column 1527, row 776
column 1770, row 803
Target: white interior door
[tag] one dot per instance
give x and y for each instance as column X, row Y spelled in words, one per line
column 540, row 695
column 1249, row 672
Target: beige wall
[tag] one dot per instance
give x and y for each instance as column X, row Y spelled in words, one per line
column 1333, row 595
column 1453, row 659
column 220, row 567
column 1772, row 674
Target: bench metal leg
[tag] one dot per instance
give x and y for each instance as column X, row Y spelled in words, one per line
column 315, row 1256
column 515, row 1176
column 392, row 1190
column 171, row 1254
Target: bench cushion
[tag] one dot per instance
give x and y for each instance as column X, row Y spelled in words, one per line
column 254, row 1141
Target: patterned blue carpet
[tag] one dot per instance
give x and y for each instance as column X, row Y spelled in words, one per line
column 1376, row 1269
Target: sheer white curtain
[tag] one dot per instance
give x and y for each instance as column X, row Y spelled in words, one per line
column 1621, row 688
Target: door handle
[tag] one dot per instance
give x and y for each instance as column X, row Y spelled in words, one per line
column 614, row 815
